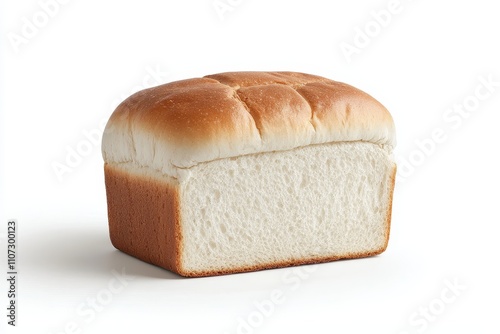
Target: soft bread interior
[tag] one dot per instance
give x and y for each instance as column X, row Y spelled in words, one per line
column 313, row 203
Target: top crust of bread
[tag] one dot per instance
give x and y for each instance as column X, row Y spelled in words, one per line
column 180, row 124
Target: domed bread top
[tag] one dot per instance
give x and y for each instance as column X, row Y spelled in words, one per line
column 183, row 123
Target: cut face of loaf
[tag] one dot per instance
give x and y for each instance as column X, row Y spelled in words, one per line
column 312, row 204
column 293, row 198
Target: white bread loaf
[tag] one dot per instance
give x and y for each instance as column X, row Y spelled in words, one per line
column 244, row 171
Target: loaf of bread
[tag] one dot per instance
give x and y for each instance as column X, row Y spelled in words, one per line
column 244, row 171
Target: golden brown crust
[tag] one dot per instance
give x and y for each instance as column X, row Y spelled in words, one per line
column 143, row 216
column 183, row 123
column 237, row 80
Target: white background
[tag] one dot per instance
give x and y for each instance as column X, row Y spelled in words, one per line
column 65, row 78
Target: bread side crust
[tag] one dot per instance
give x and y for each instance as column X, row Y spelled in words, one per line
column 144, row 216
